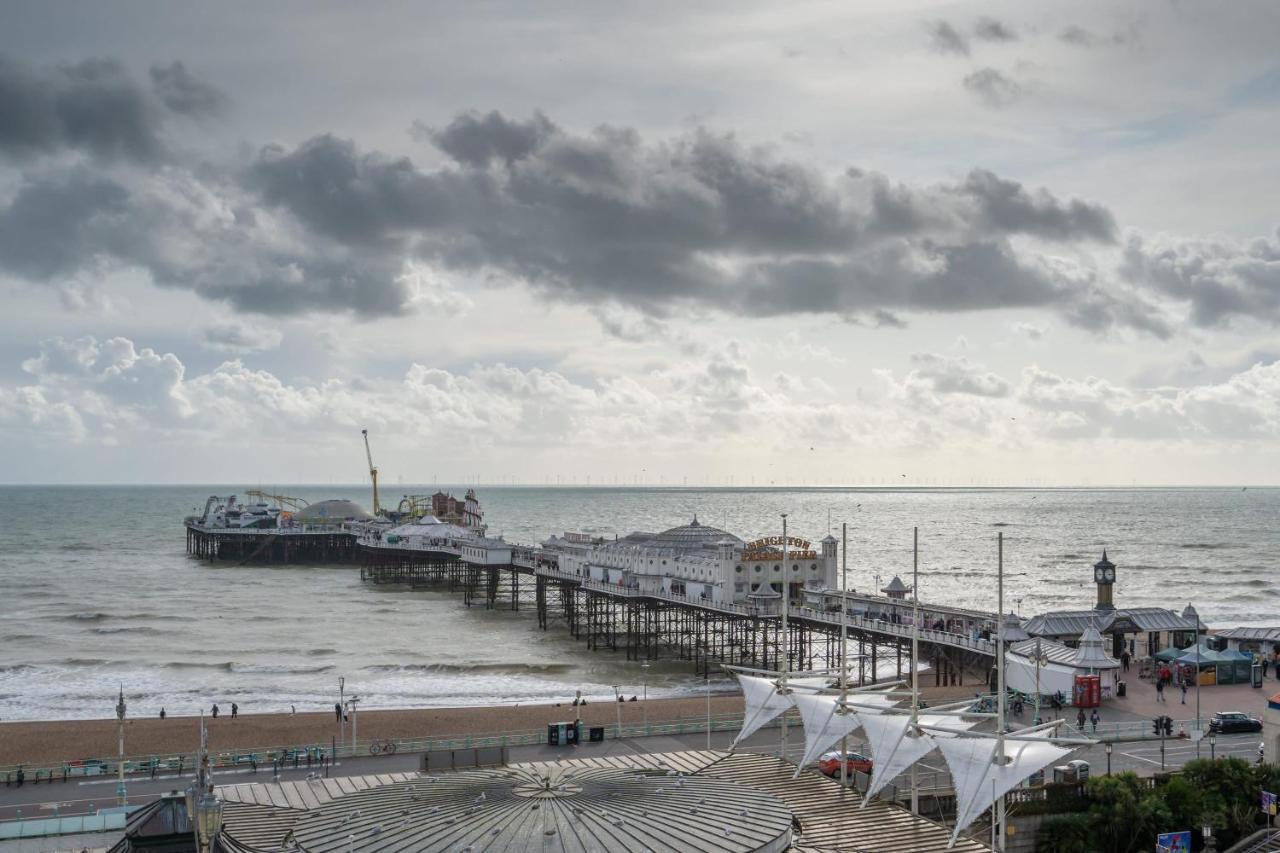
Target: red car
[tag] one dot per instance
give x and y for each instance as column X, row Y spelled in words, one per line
column 829, row 763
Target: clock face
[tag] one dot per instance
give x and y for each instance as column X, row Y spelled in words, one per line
column 1110, row 574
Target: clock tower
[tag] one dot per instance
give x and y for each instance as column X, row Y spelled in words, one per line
column 1104, row 575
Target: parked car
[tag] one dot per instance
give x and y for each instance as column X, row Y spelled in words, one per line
column 829, row 763
column 1234, row 721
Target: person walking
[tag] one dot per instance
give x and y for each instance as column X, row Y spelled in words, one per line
column 215, row 710
column 1093, row 720
column 162, row 713
column 1080, row 719
column 1183, row 684
column 1124, row 661
column 337, row 712
column 235, row 710
column 1159, row 689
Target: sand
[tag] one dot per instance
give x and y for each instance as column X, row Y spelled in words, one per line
column 53, row 742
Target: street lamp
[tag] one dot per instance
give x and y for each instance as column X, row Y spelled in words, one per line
column 1107, row 748
column 121, row 792
column 1213, row 743
column 644, row 674
column 208, row 820
column 617, row 700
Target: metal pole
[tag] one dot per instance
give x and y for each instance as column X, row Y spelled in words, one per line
column 1036, row 722
column 342, row 716
column 786, row 637
column 915, row 654
column 617, row 697
column 644, row 702
column 1000, row 719
column 844, row 644
column 355, row 701
column 708, row 712
column 1198, row 655
column 122, row 792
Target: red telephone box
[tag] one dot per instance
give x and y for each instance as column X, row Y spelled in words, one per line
column 1087, row 691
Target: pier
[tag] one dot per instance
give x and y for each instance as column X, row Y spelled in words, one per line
column 692, row 593
column 647, row 625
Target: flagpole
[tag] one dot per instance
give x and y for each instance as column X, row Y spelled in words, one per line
column 786, row 644
column 915, row 656
column 1000, row 719
column 844, row 646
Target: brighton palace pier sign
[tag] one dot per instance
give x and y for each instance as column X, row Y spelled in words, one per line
column 769, row 548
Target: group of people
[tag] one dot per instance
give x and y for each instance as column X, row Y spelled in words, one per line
column 235, row 711
column 1093, row 719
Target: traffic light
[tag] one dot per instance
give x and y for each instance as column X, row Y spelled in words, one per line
column 1168, row 725
column 1155, row 725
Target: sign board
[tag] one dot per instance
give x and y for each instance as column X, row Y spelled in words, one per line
column 1174, row 842
column 1268, row 803
column 770, row 548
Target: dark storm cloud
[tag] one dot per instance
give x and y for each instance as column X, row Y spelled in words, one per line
column 989, row 29
column 95, row 106
column 945, row 38
column 993, row 87
column 602, row 218
column 1007, row 206
column 477, row 139
column 1219, row 281
column 183, row 93
column 61, row 227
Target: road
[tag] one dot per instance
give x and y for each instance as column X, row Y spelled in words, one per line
column 84, row 795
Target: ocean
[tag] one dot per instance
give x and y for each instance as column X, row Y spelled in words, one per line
column 96, row 590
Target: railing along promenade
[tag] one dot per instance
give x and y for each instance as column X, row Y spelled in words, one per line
column 259, row 759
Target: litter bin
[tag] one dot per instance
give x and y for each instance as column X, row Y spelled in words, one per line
column 1120, row 689
column 1256, row 674
column 1080, row 768
column 595, row 734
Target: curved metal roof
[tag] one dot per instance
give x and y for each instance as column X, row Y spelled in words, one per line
column 693, row 535
column 334, row 510
column 575, row 809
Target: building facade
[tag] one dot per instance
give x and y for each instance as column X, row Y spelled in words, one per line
column 699, row 561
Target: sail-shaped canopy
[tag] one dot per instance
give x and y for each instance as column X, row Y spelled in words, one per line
column 895, row 746
column 826, row 719
column 979, row 779
column 763, row 699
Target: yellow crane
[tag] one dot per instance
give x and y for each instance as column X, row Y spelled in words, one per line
column 373, row 472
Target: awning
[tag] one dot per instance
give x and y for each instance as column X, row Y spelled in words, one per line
column 826, row 720
column 979, row 780
column 895, row 746
column 763, row 699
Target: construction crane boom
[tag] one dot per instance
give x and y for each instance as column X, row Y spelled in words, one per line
column 373, row 472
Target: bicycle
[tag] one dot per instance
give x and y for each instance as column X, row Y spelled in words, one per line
column 382, row 747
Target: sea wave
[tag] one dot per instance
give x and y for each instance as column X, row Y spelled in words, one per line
column 124, row 629
column 232, row 666
column 466, row 668
column 79, row 546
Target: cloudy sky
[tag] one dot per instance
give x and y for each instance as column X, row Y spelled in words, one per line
column 814, row 242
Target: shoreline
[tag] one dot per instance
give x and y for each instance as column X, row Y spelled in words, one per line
column 45, row 742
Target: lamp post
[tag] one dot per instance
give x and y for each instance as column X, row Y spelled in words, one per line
column 1213, row 742
column 1107, row 747
column 342, row 711
column 204, row 809
column 708, row 712
column 1041, row 660
column 786, row 635
column 617, row 700
column 644, row 707
column 122, row 793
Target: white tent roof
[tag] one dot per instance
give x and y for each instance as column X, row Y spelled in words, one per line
column 1020, row 675
column 894, row 747
column 979, row 780
column 826, row 720
column 763, row 700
